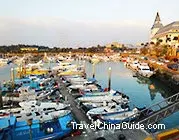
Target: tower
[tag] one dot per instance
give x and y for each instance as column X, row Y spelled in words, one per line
column 156, row 26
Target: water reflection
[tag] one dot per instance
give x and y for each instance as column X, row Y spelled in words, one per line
column 138, row 89
column 155, row 86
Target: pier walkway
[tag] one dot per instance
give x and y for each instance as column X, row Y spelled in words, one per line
column 76, row 111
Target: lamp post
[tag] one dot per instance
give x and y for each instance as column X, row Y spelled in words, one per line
column 109, row 78
column 93, row 71
column 12, row 77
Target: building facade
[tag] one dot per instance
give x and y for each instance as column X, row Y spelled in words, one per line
column 168, row 34
column 29, row 49
column 114, row 44
column 165, row 35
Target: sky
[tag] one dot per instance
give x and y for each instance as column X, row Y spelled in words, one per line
column 81, row 23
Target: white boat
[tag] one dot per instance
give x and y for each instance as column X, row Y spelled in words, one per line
column 110, row 109
column 94, row 60
column 32, row 107
column 3, row 61
column 38, row 115
column 26, row 94
column 120, row 117
column 35, row 65
column 104, row 103
column 42, row 106
column 95, row 93
column 86, row 87
column 144, row 70
column 22, row 94
column 78, row 80
column 63, row 66
column 106, row 98
column 134, row 64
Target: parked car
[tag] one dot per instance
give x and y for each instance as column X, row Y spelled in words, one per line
column 173, row 66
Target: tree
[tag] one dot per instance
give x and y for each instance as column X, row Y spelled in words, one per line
column 144, row 50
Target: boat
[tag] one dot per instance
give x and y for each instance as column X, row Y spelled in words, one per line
column 39, row 115
column 77, row 81
column 101, row 93
column 35, row 65
column 134, row 65
column 38, row 105
column 84, row 87
column 71, row 72
column 91, row 105
column 120, row 117
column 34, row 106
column 3, row 61
column 51, row 126
column 64, row 66
column 115, row 96
column 80, row 80
column 94, row 60
column 110, row 109
column 26, row 94
column 144, row 70
column 94, row 93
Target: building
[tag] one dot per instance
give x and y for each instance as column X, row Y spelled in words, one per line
column 165, row 35
column 114, row 44
column 29, row 49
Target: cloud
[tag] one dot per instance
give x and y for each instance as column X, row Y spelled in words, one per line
column 52, row 31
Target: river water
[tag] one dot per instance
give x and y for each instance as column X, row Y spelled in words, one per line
column 122, row 79
column 137, row 89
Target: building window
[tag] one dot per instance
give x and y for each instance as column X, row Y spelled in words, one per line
column 160, row 40
column 175, row 38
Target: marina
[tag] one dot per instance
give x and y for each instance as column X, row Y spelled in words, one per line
column 126, row 94
column 89, row 70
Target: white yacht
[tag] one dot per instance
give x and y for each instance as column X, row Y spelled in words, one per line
column 134, row 64
column 144, row 70
column 3, row 61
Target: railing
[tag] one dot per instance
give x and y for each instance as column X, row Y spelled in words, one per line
column 158, row 116
column 157, row 111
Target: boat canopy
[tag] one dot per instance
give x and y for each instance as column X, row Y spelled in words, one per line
column 6, row 122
